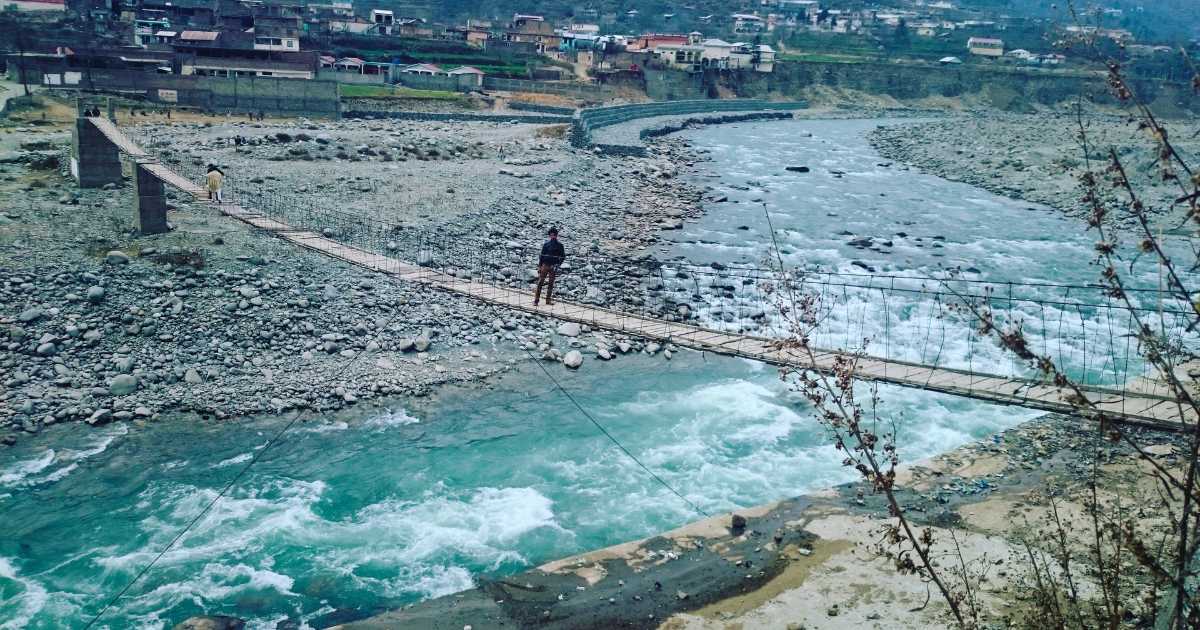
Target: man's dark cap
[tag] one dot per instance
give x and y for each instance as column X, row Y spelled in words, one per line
column 553, row 230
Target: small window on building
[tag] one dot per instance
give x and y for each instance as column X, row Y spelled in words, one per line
column 291, row 43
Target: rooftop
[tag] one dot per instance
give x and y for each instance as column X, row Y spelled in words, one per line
column 199, row 36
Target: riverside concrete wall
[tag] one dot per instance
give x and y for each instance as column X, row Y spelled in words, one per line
column 243, row 94
column 594, row 118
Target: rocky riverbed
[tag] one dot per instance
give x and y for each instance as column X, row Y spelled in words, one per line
column 1039, row 157
column 101, row 324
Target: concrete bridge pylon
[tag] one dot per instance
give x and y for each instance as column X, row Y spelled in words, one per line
column 96, row 162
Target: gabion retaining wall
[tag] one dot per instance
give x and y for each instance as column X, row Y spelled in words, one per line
column 594, row 118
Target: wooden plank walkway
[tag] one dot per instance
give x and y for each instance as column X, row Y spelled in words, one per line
column 1135, row 407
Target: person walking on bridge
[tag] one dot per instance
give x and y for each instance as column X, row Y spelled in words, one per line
column 552, row 256
column 213, row 181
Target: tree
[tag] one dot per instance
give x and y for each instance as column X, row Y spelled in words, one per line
column 14, row 31
column 900, row 40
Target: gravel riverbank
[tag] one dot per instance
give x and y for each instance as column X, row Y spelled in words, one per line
column 101, row 324
column 1038, row 157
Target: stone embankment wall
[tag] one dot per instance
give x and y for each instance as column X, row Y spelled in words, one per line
column 594, row 118
column 1005, row 88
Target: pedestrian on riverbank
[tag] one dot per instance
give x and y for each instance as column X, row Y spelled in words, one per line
column 213, row 180
column 552, row 256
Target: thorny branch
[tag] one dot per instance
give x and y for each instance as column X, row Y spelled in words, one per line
column 1117, row 543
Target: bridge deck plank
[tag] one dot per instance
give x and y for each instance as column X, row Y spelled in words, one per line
column 1146, row 403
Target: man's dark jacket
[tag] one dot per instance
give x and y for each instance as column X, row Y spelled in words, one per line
column 552, row 254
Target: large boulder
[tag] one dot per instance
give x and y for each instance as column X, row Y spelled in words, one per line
column 573, row 359
column 569, row 329
column 122, row 385
column 210, row 622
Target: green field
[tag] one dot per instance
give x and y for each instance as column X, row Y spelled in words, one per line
column 351, row 90
column 822, row 58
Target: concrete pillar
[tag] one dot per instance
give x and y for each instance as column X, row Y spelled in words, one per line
column 151, row 201
column 95, row 161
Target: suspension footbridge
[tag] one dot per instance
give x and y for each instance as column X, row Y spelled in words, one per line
column 653, row 304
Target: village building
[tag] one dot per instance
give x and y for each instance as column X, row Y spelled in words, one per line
column 533, row 29
column 422, row 69
column 302, row 67
column 329, row 9
column 384, row 21
column 34, row 5
column 413, row 27
column 348, row 25
column 473, row 33
column 277, row 33
column 716, row 53
column 241, row 53
column 468, row 73
column 652, row 41
column 747, row 23
column 572, row 41
column 764, row 58
column 685, row 57
column 985, row 46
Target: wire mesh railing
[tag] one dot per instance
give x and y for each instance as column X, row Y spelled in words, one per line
column 902, row 318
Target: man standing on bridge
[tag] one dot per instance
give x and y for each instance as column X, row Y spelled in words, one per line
column 213, row 180
column 552, row 256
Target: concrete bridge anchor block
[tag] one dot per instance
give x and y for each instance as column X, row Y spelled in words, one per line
column 151, row 201
column 95, row 160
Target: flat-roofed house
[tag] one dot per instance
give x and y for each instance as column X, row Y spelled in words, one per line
column 277, row 33
column 764, row 58
column 297, row 66
column 686, row 57
column 985, row 46
column 384, row 21
column 747, row 23
column 198, row 37
column 533, row 29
